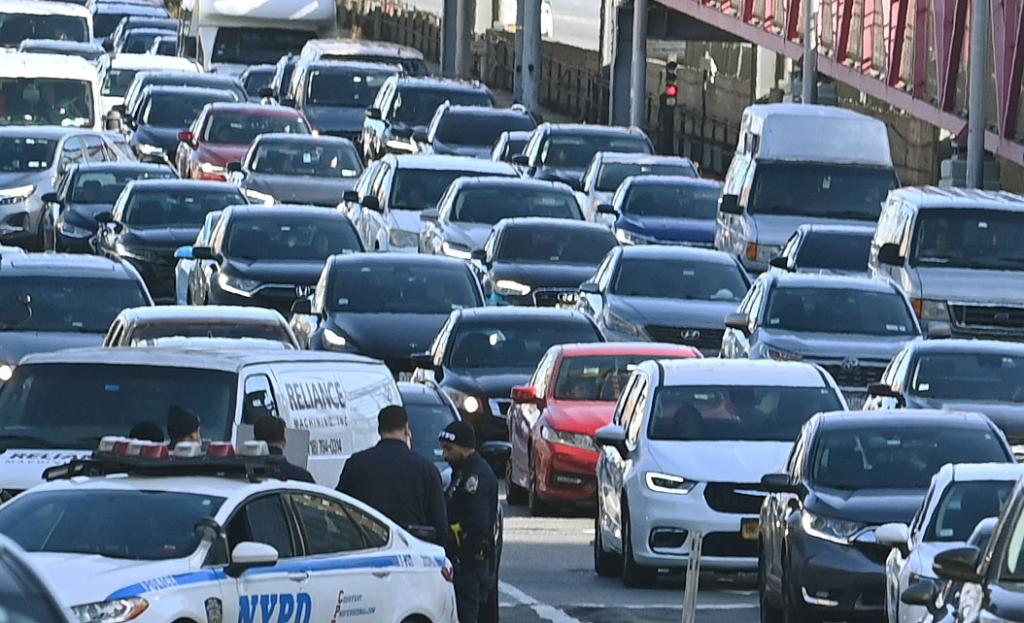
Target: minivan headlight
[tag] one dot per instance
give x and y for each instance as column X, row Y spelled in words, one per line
column 667, row 483
column 839, row 531
column 10, row 196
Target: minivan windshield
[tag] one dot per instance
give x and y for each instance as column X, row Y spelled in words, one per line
column 113, row 523
column 16, row 27
column 66, row 304
column 46, row 101
column 736, row 412
column 839, row 310
column 257, row 46
column 969, row 238
column 377, row 288
column 554, row 245
column 824, row 191
column 20, row 154
column 967, row 376
column 72, row 406
column 517, row 344
column 901, row 457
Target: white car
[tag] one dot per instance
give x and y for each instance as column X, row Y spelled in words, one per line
column 959, row 498
column 186, row 263
column 116, row 73
column 158, row 540
column 685, row 453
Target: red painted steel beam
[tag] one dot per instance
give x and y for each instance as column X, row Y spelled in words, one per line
column 1007, row 52
column 950, row 26
column 867, row 50
column 844, row 17
column 792, row 20
column 747, row 10
column 769, row 15
column 896, row 30
column 920, row 89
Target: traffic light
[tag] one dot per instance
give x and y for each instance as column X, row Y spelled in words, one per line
column 667, row 110
column 671, row 88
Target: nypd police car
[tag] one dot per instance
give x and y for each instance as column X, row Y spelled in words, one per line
column 220, row 540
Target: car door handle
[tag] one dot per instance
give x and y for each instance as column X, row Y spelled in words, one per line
column 298, row 576
column 381, row 574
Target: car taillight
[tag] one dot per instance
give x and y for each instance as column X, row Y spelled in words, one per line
column 447, row 571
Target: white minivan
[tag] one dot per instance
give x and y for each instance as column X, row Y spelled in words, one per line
column 57, row 406
column 39, row 19
column 49, row 89
column 798, row 164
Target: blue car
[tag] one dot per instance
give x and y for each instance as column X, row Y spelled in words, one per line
column 650, row 209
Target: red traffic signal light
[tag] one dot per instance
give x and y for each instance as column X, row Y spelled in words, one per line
column 671, row 90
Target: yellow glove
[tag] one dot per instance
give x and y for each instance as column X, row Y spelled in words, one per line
column 456, row 529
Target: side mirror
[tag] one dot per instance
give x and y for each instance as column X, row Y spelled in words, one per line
column 730, row 204
column 606, row 208
column 612, row 436
column 959, row 565
column 781, row 483
column 921, row 593
column 479, row 255
column 113, row 122
column 894, row 535
column 50, row 198
column 521, row 159
column 420, row 137
column 527, row 395
column 350, row 196
column 779, row 262
column 370, row 203
column 374, row 113
column 423, row 361
column 302, row 307
column 234, row 167
column 881, row 390
column 740, row 322
column 183, row 253
column 185, row 136
column 203, row 253
column 249, row 555
column 889, row 253
column 108, row 45
column 402, row 132
column 589, row 287
column 937, row 329
column 104, row 217
column 495, row 452
column 119, row 109
column 429, row 215
column 266, row 93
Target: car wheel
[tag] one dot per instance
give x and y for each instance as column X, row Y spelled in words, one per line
column 514, row 494
column 769, row 612
column 633, row 574
column 606, row 564
column 537, row 506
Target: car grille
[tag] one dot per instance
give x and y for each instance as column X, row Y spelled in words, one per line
column 726, row 497
column 703, row 339
column 855, row 375
column 500, row 406
column 994, row 317
column 728, row 545
column 549, row 297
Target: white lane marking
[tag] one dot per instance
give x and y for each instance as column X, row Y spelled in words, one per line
column 544, row 611
column 556, row 615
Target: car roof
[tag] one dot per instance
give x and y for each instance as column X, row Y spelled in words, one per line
column 654, row 349
column 180, row 184
column 185, row 89
column 201, row 313
column 518, row 135
column 254, row 109
column 493, row 181
column 990, row 347
column 340, row 63
column 434, row 82
column 61, row 44
column 398, row 259
column 685, row 372
column 454, row 163
column 676, row 252
column 672, row 180
column 966, row 472
column 419, row 394
column 291, row 137
column 544, row 222
column 123, row 165
column 230, row 488
column 483, row 111
column 41, row 7
column 264, row 67
column 491, row 314
column 929, row 197
column 225, row 360
column 130, row 9
column 63, row 265
column 277, row 211
column 152, row 62
column 38, row 131
column 837, row 229
column 619, row 157
column 586, row 128
column 34, row 65
column 331, row 47
column 815, row 280
column 901, row 418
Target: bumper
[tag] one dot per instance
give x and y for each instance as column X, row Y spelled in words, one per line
column 844, row 582
column 565, row 473
column 19, row 223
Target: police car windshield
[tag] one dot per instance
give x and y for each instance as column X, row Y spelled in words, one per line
column 67, row 304
column 124, row 523
column 72, row 406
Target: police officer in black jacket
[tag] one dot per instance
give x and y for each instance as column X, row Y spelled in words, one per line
column 271, row 430
column 473, row 515
column 396, row 481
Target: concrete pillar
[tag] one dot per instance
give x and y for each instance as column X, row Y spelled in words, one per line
column 466, row 19
column 638, row 66
column 621, row 52
column 531, row 55
column 517, row 77
column 976, row 96
column 810, row 69
column 449, row 30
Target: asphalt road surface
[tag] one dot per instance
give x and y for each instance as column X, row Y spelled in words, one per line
column 547, row 576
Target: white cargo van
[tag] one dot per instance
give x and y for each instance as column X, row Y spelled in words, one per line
column 58, row 405
column 39, row 19
column 49, row 89
column 800, row 164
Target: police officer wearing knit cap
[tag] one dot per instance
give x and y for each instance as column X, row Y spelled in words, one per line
column 182, row 425
column 473, row 516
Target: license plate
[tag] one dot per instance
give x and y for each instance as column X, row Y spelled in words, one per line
column 750, row 529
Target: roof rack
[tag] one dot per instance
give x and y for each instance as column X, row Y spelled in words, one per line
column 249, row 468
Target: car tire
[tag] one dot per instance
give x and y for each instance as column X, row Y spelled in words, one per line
column 634, row 575
column 606, row 564
column 769, row 612
column 514, row 494
column 537, row 506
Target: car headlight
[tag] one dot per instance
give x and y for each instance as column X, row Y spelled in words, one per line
column 150, row 150
column 667, row 483
column 465, row 402
column 10, row 196
column 777, row 354
column 336, row 340
column 456, row 250
column 631, row 237
column 257, row 197
column 762, row 253
column 576, row 440
column 237, row 285
column 508, row 287
column 403, row 238
column 6, row 372
column 144, row 255
column 620, row 325
column 72, row 231
column 212, row 169
column 928, row 310
column 839, row 531
column 114, row 611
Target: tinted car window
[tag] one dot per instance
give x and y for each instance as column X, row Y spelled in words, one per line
column 19, row 154
column 577, row 150
column 557, row 245
column 256, row 80
column 400, row 289
column 139, row 43
column 518, row 344
column 612, row 174
column 460, row 128
column 344, row 87
column 170, row 208
column 105, row 186
column 427, row 421
column 46, row 101
column 490, row 205
column 290, row 238
column 986, row 239
column 416, row 106
column 676, row 279
column 821, row 190
column 305, row 159
column 178, row 110
column 964, row 505
column 597, row 377
column 72, row 304
column 736, row 412
column 831, row 251
column 330, row 526
column 815, row 310
column 981, row 377
column 239, row 128
column 420, row 189
column 214, row 329
column 16, row 27
column 262, row 520
column 126, row 523
column 257, row 46
column 672, row 201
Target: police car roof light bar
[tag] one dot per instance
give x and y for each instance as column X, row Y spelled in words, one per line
column 219, row 449
column 250, row 468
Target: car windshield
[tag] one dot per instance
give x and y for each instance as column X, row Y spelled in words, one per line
column 514, row 344
column 256, row 80
column 20, row 154
column 411, row 66
column 554, row 245
column 416, row 106
column 290, row 238
column 72, row 304
column 169, row 208
column 963, row 505
column 257, row 46
column 673, row 201
column 458, row 128
column 139, row 42
column 344, row 87
column 427, row 421
column 820, row 190
column 307, row 159
column 967, row 376
column 46, row 101
column 165, row 46
column 377, row 288
column 834, row 251
column 240, row 128
column 219, row 329
column 113, row 523
column 105, row 186
column 612, row 174
column 512, row 147
column 839, row 310
column 575, row 151
column 420, row 189
column 73, row 405
column 898, row 458
column 736, row 412
column 88, row 53
column 969, row 238
column 490, row 205
column 16, row 27
column 104, row 24
column 680, row 279
column 117, row 82
column 178, row 110
column 597, row 377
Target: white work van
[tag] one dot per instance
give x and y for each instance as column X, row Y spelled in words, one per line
column 49, row 89
column 40, row 19
column 58, row 405
column 799, row 164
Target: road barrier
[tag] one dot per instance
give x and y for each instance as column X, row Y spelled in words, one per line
column 691, row 586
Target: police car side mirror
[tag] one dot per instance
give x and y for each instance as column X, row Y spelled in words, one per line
column 249, row 555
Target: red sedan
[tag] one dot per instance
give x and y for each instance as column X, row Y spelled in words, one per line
column 553, row 420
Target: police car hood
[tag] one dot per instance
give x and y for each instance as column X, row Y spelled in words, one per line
column 106, row 576
column 743, row 462
column 672, row 312
column 985, row 287
column 16, row 344
column 775, row 229
column 836, row 345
